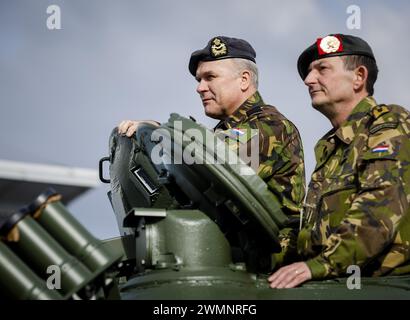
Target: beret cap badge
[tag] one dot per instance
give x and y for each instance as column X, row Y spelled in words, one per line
column 218, row 48
column 329, row 44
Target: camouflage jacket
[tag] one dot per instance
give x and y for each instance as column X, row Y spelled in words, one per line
column 357, row 207
column 281, row 163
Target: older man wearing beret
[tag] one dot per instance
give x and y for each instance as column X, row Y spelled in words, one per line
column 227, row 78
column 357, row 208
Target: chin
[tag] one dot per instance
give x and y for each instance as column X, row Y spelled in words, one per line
column 213, row 115
column 317, row 103
column 209, row 113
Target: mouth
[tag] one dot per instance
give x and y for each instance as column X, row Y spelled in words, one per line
column 206, row 100
column 311, row 92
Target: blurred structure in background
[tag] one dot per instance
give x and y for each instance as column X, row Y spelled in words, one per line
column 21, row 182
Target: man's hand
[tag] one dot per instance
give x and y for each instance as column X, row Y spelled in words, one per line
column 129, row 127
column 290, row 276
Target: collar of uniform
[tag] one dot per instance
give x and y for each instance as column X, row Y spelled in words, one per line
column 347, row 131
column 240, row 114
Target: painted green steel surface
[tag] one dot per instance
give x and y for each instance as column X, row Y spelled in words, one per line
column 19, row 281
column 77, row 240
column 39, row 250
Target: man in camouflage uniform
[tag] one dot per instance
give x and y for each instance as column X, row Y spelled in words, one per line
column 227, row 84
column 357, row 207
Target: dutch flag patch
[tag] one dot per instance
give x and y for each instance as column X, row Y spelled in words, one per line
column 381, row 148
column 237, row 132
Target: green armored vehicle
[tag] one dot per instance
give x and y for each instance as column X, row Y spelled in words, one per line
column 195, row 221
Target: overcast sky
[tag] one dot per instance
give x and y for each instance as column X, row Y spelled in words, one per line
column 62, row 91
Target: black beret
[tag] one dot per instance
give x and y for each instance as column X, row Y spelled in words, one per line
column 221, row 48
column 330, row 46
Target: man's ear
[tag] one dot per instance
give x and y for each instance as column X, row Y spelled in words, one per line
column 245, row 80
column 360, row 78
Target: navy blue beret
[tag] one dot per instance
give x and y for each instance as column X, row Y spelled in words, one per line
column 221, row 47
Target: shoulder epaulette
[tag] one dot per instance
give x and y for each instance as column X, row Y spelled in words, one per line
column 390, row 121
column 379, row 110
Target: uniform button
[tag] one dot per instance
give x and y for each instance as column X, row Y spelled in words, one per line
column 332, row 140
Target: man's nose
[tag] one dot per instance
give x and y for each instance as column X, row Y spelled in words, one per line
column 310, row 78
column 202, row 87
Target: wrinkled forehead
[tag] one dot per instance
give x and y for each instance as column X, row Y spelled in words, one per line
column 224, row 65
column 334, row 61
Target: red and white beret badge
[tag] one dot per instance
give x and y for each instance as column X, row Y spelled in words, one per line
column 329, row 44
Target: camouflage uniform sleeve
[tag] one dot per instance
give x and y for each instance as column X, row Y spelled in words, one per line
column 280, row 157
column 288, row 242
column 374, row 216
column 281, row 163
column 281, row 166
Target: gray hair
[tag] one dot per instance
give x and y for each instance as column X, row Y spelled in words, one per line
column 245, row 64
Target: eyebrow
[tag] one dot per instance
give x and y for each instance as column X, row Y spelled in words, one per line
column 318, row 64
column 204, row 74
